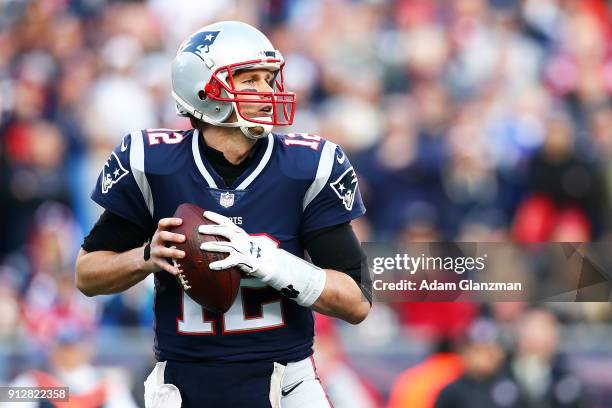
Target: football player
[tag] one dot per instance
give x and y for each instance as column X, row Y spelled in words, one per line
column 274, row 196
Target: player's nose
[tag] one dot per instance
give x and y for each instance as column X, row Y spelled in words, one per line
column 264, row 86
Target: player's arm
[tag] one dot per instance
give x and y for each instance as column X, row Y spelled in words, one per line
column 325, row 290
column 113, row 259
column 348, row 288
column 342, row 298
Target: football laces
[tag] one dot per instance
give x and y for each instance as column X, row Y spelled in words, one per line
column 181, row 277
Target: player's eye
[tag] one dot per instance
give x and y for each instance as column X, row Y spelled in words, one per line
column 248, row 81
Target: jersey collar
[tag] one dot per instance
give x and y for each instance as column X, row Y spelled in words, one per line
column 245, row 179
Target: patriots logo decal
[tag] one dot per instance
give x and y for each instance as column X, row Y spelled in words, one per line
column 199, row 43
column 112, row 172
column 345, row 188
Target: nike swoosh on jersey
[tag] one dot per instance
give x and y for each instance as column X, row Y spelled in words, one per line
column 341, row 158
column 123, row 146
column 290, row 390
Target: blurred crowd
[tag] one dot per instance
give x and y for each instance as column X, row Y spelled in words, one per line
column 469, row 120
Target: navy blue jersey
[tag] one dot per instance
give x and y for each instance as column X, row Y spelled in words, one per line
column 297, row 183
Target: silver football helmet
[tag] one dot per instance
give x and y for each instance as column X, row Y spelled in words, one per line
column 202, row 78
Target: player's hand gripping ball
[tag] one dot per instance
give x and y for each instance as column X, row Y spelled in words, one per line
column 214, row 290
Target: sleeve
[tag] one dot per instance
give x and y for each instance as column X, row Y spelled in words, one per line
column 122, row 187
column 333, row 197
column 114, row 233
column 338, row 248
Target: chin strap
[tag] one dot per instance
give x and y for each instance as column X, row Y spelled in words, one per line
column 252, row 130
column 248, row 131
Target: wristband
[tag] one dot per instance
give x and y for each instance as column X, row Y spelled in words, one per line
column 147, row 252
column 292, row 276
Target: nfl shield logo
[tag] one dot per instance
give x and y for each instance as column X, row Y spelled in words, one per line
column 226, row 200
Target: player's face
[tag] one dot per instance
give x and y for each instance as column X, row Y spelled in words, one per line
column 254, row 80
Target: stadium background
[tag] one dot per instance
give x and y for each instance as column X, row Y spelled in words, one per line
column 468, row 120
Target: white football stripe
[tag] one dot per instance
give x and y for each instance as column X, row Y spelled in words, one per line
column 324, row 169
column 137, row 167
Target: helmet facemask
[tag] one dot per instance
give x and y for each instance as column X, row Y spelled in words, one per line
column 222, row 88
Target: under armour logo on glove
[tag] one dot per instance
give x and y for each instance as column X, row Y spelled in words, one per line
column 289, row 292
column 255, row 250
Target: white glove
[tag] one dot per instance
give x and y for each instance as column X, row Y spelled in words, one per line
column 243, row 251
column 292, row 276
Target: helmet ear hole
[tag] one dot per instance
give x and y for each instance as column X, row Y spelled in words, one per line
column 202, row 95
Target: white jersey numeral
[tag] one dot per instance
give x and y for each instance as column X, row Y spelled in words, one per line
column 166, row 136
column 303, row 139
column 193, row 320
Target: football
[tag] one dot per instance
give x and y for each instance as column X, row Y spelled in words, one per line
column 214, row 290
